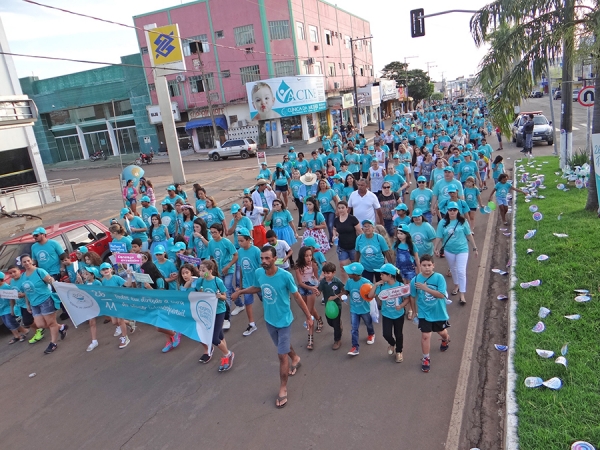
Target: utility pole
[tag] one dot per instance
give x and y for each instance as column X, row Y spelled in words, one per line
column 566, row 110
column 205, row 86
column 352, row 41
column 429, row 66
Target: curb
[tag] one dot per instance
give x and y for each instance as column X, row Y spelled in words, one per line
column 511, row 437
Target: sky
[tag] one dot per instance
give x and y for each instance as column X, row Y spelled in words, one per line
column 448, row 45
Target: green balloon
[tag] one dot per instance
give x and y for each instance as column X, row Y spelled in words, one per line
column 331, row 309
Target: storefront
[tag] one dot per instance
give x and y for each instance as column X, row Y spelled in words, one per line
column 341, row 109
column 200, row 129
column 389, row 96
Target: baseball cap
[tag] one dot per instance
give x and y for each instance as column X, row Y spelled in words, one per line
column 452, row 189
column 311, row 242
column 243, row 231
column 388, row 268
column 93, row 271
column 452, row 205
column 422, row 178
column 354, row 268
column 337, row 176
column 417, row 212
column 39, row 230
column 291, row 148
column 159, row 250
column 448, row 169
column 235, row 208
column 279, row 165
column 105, row 266
column 247, row 191
column 2, row 276
column 367, row 221
column 178, row 247
column 465, row 154
column 264, row 163
column 165, row 202
column 171, row 188
column 124, row 211
column 404, row 228
column 145, row 198
column 82, row 249
column 402, row 207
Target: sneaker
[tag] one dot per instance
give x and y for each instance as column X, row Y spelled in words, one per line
column 251, row 329
column 226, row 324
column 51, row 347
column 322, row 301
column 237, row 310
column 176, row 339
column 38, row 336
column 124, row 341
column 117, row 332
column 92, row 346
column 168, row 346
column 390, row 349
column 226, row 362
column 205, row 358
column 371, row 339
column 444, row 345
column 353, row 351
column 63, row 332
column 425, row 364
column 336, row 345
column 399, row 357
column 132, row 326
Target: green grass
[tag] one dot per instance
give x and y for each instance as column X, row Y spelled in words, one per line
column 549, row 419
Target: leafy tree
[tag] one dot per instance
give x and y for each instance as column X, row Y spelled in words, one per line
column 523, row 36
column 396, row 70
column 437, row 96
column 419, row 85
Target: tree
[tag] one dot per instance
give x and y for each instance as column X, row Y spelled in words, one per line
column 437, row 96
column 523, row 36
column 419, row 85
column 396, row 70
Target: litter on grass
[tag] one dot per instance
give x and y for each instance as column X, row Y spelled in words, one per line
column 573, row 317
column 501, row 348
column 503, row 229
column 564, row 349
column 534, row 283
column 530, row 234
column 499, row 271
column 506, row 234
column 582, row 291
column 553, row 383
column 582, row 445
column 543, row 313
column 537, row 216
column 558, row 218
column 542, row 257
column 529, row 251
column 533, row 382
column 561, row 360
column 544, row 353
column 539, row 327
column 583, row 298
column 533, row 208
column 560, row 235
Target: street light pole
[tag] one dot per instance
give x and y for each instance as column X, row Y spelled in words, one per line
column 352, row 40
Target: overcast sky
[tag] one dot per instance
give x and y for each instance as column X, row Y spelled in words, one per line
column 36, row 30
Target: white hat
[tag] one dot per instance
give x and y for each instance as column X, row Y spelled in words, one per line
column 308, row 179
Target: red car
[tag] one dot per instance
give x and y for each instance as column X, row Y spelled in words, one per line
column 69, row 235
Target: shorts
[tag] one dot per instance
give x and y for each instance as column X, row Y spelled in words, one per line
column 408, row 274
column 427, row 327
column 345, row 255
column 304, row 291
column 473, row 209
column 26, row 317
column 502, row 201
column 249, row 299
column 43, row 309
column 280, row 337
column 10, row 322
column 499, row 136
column 281, row 188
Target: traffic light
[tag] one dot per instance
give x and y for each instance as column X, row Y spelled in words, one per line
column 417, row 22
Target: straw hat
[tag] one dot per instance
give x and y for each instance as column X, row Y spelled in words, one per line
column 308, row 179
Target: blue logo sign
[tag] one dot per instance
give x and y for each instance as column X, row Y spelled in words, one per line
column 284, row 93
column 164, row 45
column 117, row 247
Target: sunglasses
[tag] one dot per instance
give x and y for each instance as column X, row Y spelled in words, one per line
column 452, row 209
column 421, row 182
column 386, row 187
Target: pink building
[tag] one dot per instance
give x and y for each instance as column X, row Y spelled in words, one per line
column 246, row 41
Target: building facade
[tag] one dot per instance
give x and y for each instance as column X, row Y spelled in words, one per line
column 95, row 110
column 245, row 42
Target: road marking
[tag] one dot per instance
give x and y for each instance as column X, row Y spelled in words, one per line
column 583, row 125
column 557, row 129
column 575, row 129
column 453, row 438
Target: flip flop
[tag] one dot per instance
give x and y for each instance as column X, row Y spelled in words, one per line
column 462, row 302
column 454, row 292
column 294, row 369
column 279, row 400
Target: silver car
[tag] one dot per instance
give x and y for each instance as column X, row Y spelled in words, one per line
column 542, row 130
column 234, row 147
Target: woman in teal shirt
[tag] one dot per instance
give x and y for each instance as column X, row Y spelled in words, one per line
column 328, row 201
column 422, row 233
column 214, row 214
column 371, row 251
column 200, row 239
column 136, row 227
column 280, row 183
column 282, row 223
column 168, row 217
column 159, row 233
column 187, row 223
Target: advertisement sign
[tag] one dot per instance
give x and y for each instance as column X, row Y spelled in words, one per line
column 128, row 258
column 164, row 47
column 388, row 90
column 286, row 97
column 347, row 101
column 399, row 291
column 117, row 247
column 203, row 112
column 154, row 113
column 189, row 313
column 369, row 96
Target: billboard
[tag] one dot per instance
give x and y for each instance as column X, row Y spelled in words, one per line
column 286, row 96
column 164, row 47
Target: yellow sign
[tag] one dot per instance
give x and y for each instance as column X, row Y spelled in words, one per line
column 164, row 45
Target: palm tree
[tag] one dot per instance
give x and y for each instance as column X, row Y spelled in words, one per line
column 525, row 35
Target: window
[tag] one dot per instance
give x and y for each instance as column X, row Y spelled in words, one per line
column 350, row 70
column 244, row 35
column 97, row 231
column 197, row 85
column 328, row 38
column 362, row 71
column 279, row 29
column 305, row 68
column 219, row 34
column 284, row 69
column 250, row 73
column 233, row 120
column 61, row 242
column 144, row 50
column 331, row 69
column 200, row 38
column 359, row 45
column 317, row 68
column 300, row 31
column 174, row 90
column 314, row 33
column 226, row 73
column 151, row 87
column 347, row 41
column 79, row 236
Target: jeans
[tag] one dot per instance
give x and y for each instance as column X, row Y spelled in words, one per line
column 388, row 224
column 355, row 318
column 373, row 277
column 427, row 216
column 336, row 324
column 228, row 281
column 458, row 267
column 329, row 219
column 388, row 325
column 528, row 142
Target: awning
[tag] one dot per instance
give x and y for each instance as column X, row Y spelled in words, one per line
column 220, row 121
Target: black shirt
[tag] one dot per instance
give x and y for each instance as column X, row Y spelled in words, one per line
column 528, row 127
column 346, row 231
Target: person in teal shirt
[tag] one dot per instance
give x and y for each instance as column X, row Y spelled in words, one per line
column 315, row 163
column 280, row 182
column 359, row 306
column 365, row 161
column 428, row 301
column 136, row 227
column 371, row 250
column 198, row 243
column 301, row 164
column 292, row 155
column 249, row 262
column 497, row 168
column 421, row 198
column 166, row 267
column 46, row 252
column 264, row 173
column 158, row 233
column 402, row 216
column 147, row 210
column 239, row 220
column 392, row 309
column 336, row 157
column 338, row 186
column 353, row 160
column 422, row 234
column 225, row 255
column 468, row 168
column 168, row 217
column 463, row 208
column 396, row 180
column 502, row 188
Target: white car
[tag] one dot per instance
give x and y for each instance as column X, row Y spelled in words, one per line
column 234, row 147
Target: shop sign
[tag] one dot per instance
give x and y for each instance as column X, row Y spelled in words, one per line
column 369, row 96
column 154, row 113
column 387, row 90
column 203, row 112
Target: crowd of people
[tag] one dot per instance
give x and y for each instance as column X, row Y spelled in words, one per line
column 389, row 207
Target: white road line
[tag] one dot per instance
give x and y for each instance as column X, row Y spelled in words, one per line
column 575, row 129
column 584, row 125
column 456, row 418
column 557, row 129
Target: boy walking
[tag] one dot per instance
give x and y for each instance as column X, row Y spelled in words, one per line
column 359, row 307
column 331, row 288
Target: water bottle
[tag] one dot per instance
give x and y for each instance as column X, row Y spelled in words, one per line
column 416, row 320
column 336, row 240
column 344, row 298
column 306, row 325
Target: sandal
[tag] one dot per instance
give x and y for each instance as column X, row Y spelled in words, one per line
column 319, row 325
column 13, row 340
column 294, row 369
column 280, row 405
column 309, row 346
column 454, row 292
column 462, row 302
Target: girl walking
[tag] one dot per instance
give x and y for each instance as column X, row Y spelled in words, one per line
column 307, row 280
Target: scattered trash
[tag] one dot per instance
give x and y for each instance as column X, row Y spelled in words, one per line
column 542, row 257
column 582, row 291
column 573, row 317
column 543, row 313
column 502, row 297
column 499, row 271
column 582, row 445
column 561, row 360
column 539, row 327
column 538, row 216
column 558, row 218
column 529, row 251
column 530, row 234
column 560, row 187
column 534, row 283
column 533, row 382
column 506, row 234
column 544, row 353
column 553, row 383
column 503, row 229
column 533, row 208
column 583, row 298
column 564, row 349
column 501, row 348
column 560, row 235
column 31, row 375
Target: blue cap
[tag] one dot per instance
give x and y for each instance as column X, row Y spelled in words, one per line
column 402, row 207
column 264, row 163
column 178, row 247
column 371, row 147
column 367, row 221
column 165, row 202
column 337, row 176
column 311, row 242
column 422, row 178
column 159, row 250
column 105, row 265
column 291, row 148
column 124, row 211
column 235, row 208
column 388, row 268
column 39, row 230
column 465, row 154
column 171, row 187
column 417, row 212
column 452, row 205
column 83, row 249
column 243, row 231
column 145, row 198
column 2, row 276
column 469, row 146
column 448, row 169
column 354, row 268
column 461, row 148
column 247, row 191
column 452, row 189
column 404, row 228
column 93, row 271
column 279, row 165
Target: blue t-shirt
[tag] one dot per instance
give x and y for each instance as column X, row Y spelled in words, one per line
column 4, row 302
column 388, row 306
column 401, row 220
column 467, row 169
column 159, row 233
column 353, row 161
column 201, row 207
column 430, row 308
column 497, row 170
column 281, row 219
column 213, row 286
column 302, row 166
column 34, row 287
column 213, row 215
column 166, row 269
column 16, row 284
column 264, row 174
column 249, row 261
column 173, row 200
column 471, row 195
column 187, row 228
column 422, row 198
column 125, row 240
column 437, row 175
column 281, row 178
column 48, row 256
column 312, row 219
column 222, row 251
column 396, row 181
column 371, row 251
column 244, row 222
column 338, row 189
column 198, row 246
column 455, row 236
column 169, row 219
column 422, row 237
column 315, row 164
column 137, row 222
column 298, row 190
column 325, row 199
column 357, row 304
column 441, row 189
column 502, row 190
column 276, row 291
column 147, row 214
column 115, row 281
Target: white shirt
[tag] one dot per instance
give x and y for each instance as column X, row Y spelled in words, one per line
column 376, row 176
column 256, row 215
column 363, row 207
column 269, row 196
column 281, row 248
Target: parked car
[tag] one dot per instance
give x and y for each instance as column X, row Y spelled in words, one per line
column 69, row 236
column 576, row 94
column 234, row 147
column 542, row 129
column 557, row 94
column 536, row 94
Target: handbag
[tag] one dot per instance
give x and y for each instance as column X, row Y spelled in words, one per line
column 447, row 239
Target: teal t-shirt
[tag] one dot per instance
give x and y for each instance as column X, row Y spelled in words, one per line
column 441, row 189
column 147, row 213
column 401, row 220
column 357, row 304
column 422, row 198
column 16, row 284
column 295, row 186
column 115, row 281
column 48, row 256
column 166, row 269
column 198, row 246
column 455, row 236
column 137, row 222
column 249, row 261
column 353, row 161
column 371, row 251
column 467, row 169
column 315, row 164
column 201, row 207
column 325, row 199
column 222, row 251
column 281, row 219
column 437, row 175
column 497, row 170
column 169, row 219
column 471, row 195
column 244, row 222
column 396, row 181
column 430, row 308
column 4, row 302
column 281, row 178
column 302, row 166
column 34, row 287
column 212, row 216
column 502, row 190
column 213, row 286
column 338, row 189
column 276, row 291
column 159, row 233
column 388, row 306
column 312, row 219
column 422, row 237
